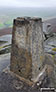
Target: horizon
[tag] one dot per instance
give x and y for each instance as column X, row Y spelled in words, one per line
column 28, row 3
column 25, row 7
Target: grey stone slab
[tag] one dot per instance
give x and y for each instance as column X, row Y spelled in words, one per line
column 6, row 38
column 4, row 61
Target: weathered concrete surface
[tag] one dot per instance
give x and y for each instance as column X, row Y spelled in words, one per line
column 27, row 54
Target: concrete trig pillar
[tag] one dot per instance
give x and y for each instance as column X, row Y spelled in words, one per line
column 27, row 54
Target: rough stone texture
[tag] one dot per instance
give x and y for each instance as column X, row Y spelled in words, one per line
column 27, row 54
column 10, row 83
column 51, row 70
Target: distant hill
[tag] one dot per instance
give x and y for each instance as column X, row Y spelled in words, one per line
column 5, row 31
column 51, row 22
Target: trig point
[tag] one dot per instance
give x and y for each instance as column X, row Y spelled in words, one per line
column 27, row 54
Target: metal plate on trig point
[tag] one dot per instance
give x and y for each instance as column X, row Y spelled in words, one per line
column 48, row 90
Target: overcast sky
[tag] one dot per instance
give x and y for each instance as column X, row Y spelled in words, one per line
column 28, row 3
